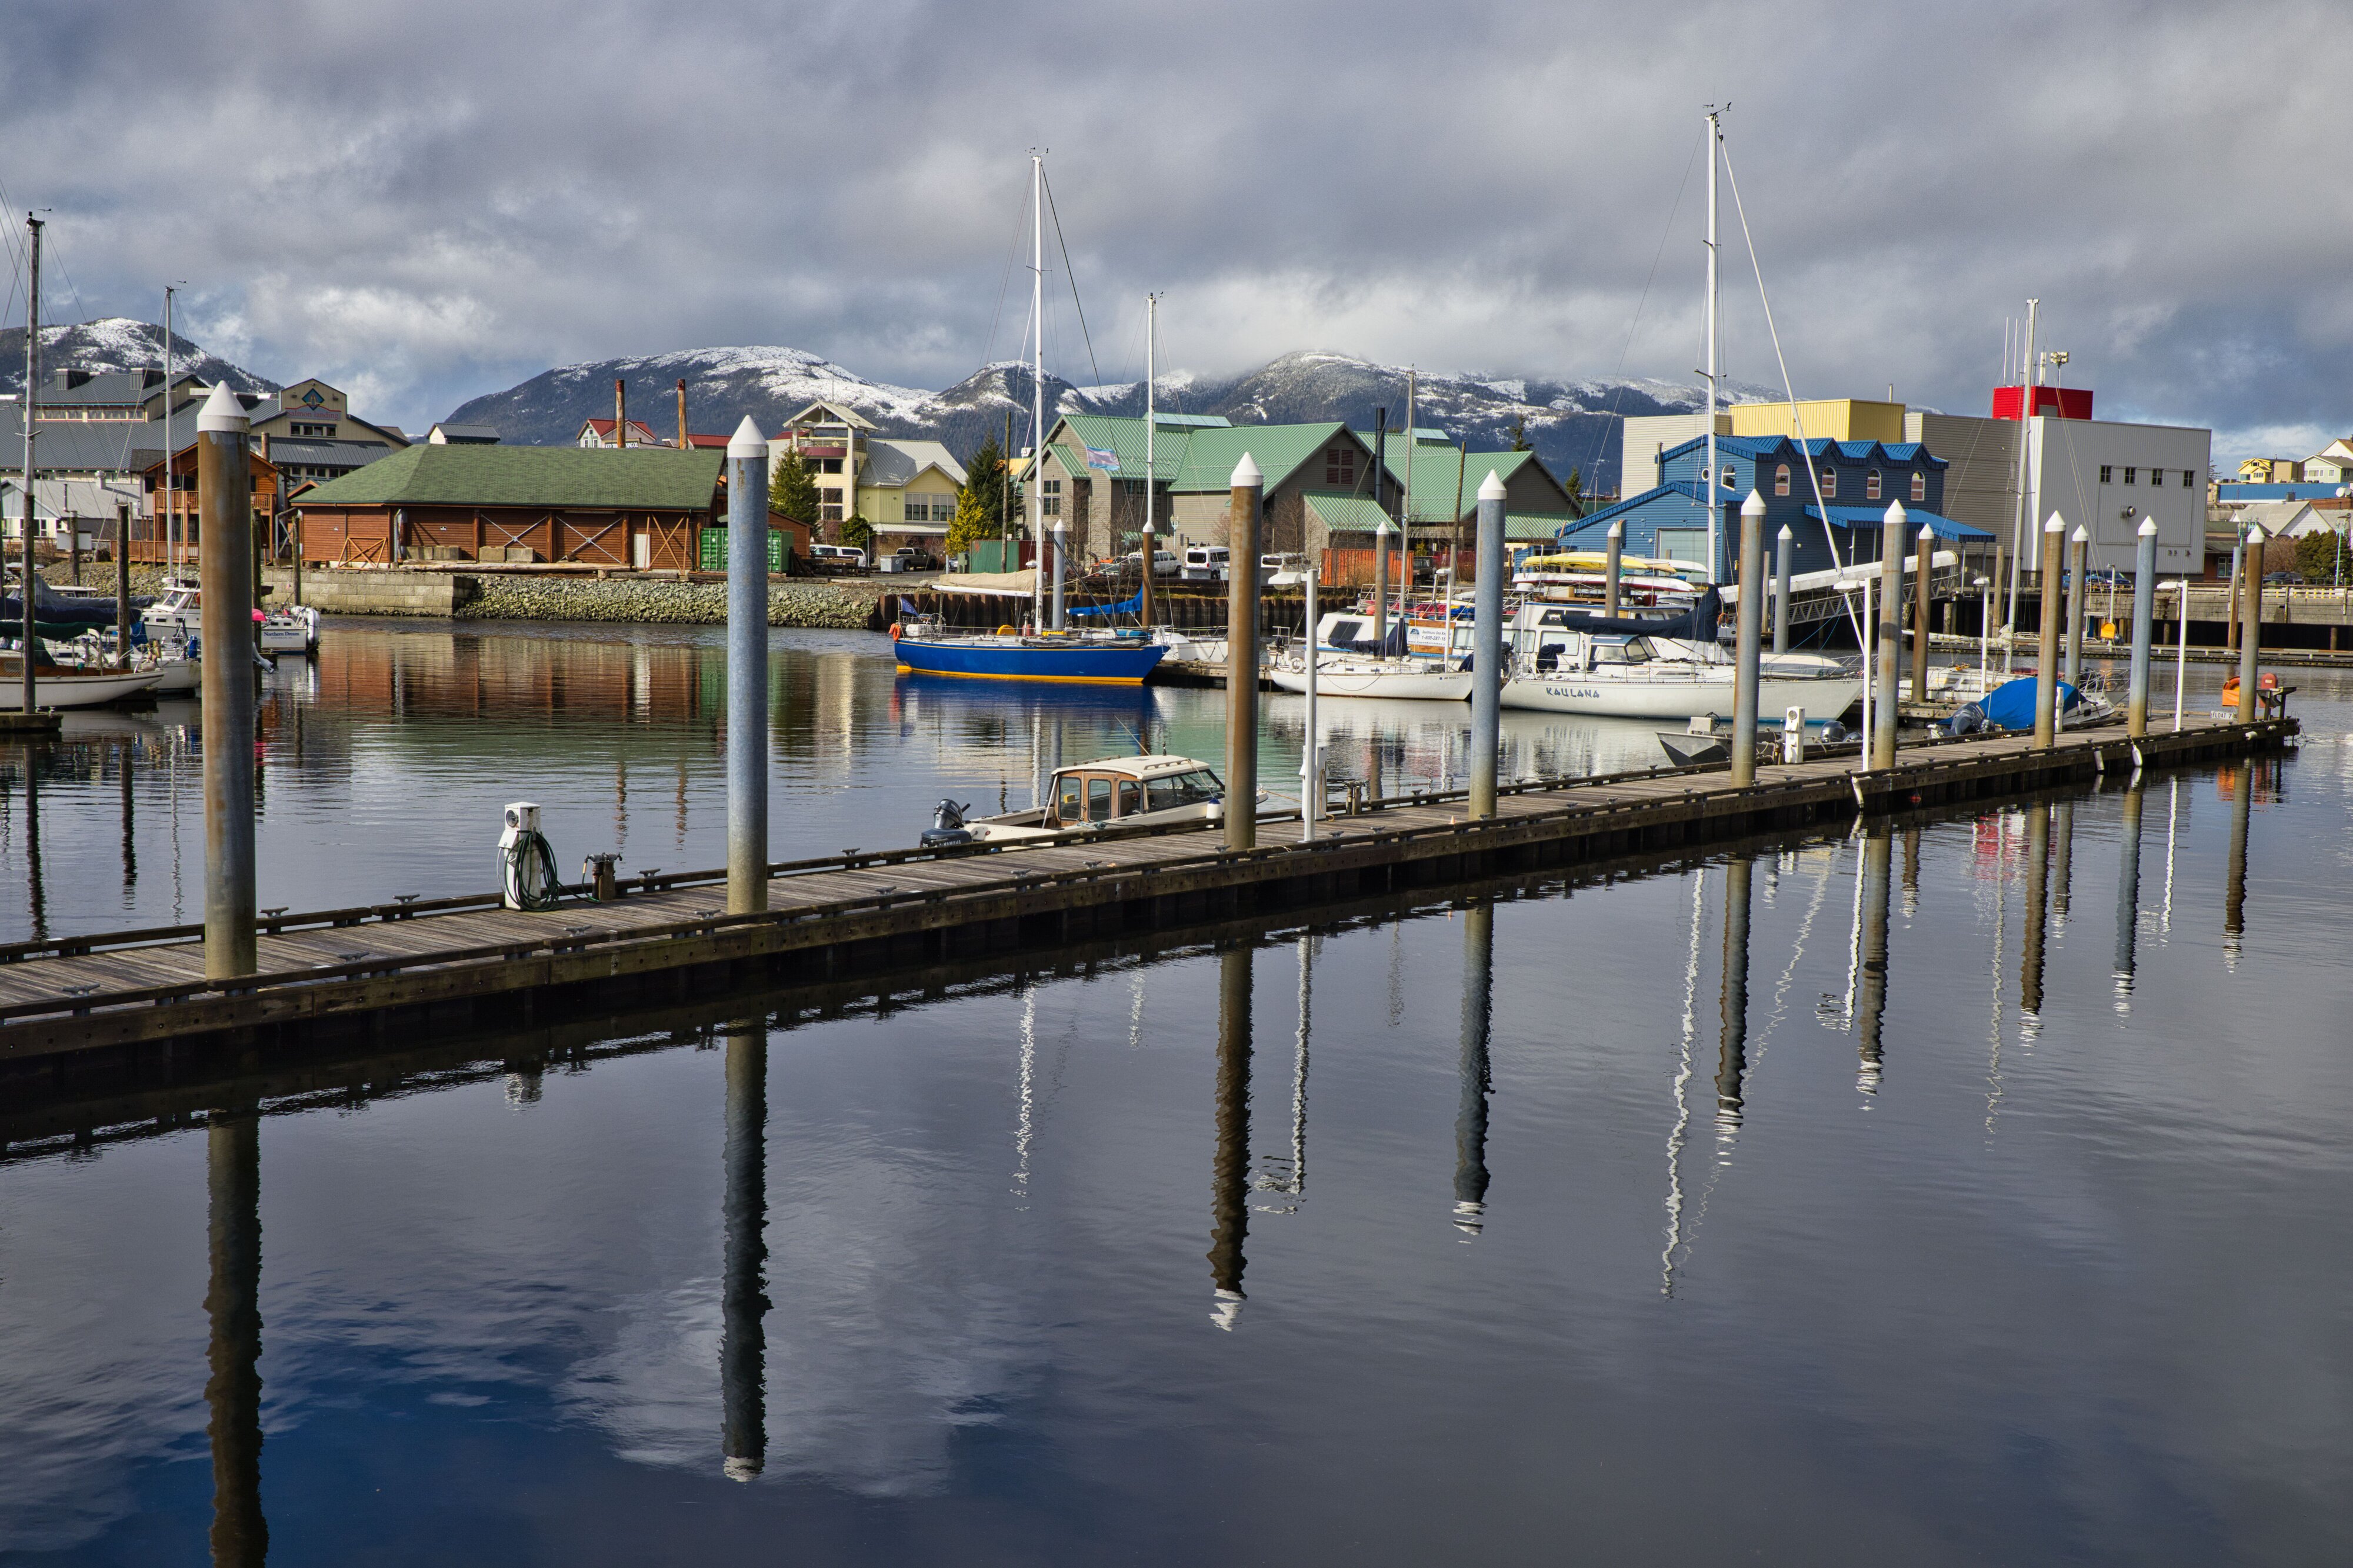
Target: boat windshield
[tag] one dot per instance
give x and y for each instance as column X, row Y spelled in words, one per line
column 1634, row 650
column 1190, row 788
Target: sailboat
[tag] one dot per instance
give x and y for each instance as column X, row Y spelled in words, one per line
column 1120, row 658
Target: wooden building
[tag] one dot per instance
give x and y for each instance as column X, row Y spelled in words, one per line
column 640, row 509
column 174, row 510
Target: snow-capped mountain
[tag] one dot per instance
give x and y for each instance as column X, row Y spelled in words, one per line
column 1572, row 424
column 118, row 343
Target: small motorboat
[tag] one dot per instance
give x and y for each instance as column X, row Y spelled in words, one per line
column 1116, row 791
column 294, row 629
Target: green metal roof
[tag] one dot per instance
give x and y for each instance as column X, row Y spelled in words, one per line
column 1343, row 511
column 1201, row 458
column 630, row 478
column 1545, row 526
column 1440, row 476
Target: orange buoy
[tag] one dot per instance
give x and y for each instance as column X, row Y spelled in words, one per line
column 894, row 631
column 1004, row 631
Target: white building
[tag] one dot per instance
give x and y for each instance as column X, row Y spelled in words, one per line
column 2102, row 473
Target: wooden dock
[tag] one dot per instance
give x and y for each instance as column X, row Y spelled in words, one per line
column 131, row 999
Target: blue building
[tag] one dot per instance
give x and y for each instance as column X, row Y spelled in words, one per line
column 1858, row 479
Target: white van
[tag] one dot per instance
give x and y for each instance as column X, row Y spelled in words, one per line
column 1206, row 563
column 837, row 558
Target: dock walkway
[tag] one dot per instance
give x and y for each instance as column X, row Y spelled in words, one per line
column 467, row 961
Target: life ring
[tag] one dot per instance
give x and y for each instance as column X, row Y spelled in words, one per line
column 1004, row 631
column 894, row 631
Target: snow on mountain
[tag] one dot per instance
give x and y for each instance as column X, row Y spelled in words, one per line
column 117, row 343
column 1573, row 425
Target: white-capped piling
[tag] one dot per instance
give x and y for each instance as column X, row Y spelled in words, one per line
column 1245, row 501
column 2251, row 629
column 1487, row 649
column 1061, row 568
column 2079, row 549
column 747, row 670
column 2143, row 610
column 1784, row 545
column 225, row 566
column 122, row 585
column 1617, row 550
column 2046, row 646
column 1748, row 638
column 1311, row 755
column 1893, row 534
column 1381, row 584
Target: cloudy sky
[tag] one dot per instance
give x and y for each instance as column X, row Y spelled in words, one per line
column 430, row 200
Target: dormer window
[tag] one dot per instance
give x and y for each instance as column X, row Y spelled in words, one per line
column 1870, row 485
column 1729, row 477
column 1829, row 484
column 1919, row 488
column 1781, row 480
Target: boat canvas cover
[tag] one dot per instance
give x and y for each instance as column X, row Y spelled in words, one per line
column 2011, row 706
column 1007, row 585
column 1696, row 624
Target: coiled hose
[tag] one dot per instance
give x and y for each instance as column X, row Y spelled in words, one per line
column 528, row 873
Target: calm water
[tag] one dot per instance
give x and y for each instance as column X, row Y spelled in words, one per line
column 1974, row 1193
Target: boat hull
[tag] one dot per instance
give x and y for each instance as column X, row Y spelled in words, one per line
column 52, row 689
column 1669, row 695
column 1122, row 663
column 1412, row 685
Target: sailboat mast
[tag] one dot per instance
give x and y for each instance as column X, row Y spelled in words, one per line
column 1151, row 428
column 1715, row 489
column 32, row 391
column 171, row 538
column 1038, row 389
column 2018, row 522
column 1406, row 541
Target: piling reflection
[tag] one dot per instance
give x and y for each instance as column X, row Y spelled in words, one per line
column 240, row 1535
column 1878, row 852
column 2241, row 785
column 2063, row 861
column 1732, row 1049
column 2127, row 896
column 1471, row 1118
column 37, row 902
column 2037, row 894
column 124, row 758
column 744, row 1299
column 1229, row 1173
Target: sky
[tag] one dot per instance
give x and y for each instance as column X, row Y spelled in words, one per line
column 425, row 202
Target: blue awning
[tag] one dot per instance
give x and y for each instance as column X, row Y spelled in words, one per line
column 1871, row 520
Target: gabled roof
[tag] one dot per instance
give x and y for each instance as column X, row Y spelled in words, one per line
column 891, row 461
column 1345, row 511
column 1756, row 448
column 833, row 413
column 1870, row 519
column 1442, row 475
column 424, row 474
column 640, row 433
column 1683, row 487
column 1196, row 459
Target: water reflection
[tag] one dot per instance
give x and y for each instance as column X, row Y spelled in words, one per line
column 240, row 1535
column 2127, row 895
column 744, row 1299
column 1732, row 1049
column 2239, row 783
column 2038, row 890
column 1870, row 1004
column 1230, row 1170
column 1474, row 1079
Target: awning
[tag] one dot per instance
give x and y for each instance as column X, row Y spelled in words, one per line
column 1872, row 519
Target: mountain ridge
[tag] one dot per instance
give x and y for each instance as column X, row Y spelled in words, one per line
column 118, row 343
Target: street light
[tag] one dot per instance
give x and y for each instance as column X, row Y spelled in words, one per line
column 2344, row 493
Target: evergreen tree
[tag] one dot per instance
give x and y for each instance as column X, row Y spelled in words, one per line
column 856, row 531
column 792, row 490
column 971, row 525
column 1575, row 488
column 984, row 490
column 1519, row 433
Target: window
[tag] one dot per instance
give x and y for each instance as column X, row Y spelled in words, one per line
column 299, row 428
column 1705, row 475
column 827, row 464
column 1870, row 485
column 1069, row 799
column 1131, row 798
column 1781, row 481
column 2185, row 478
column 1829, row 484
column 1919, row 486
column 2107, row 474
column 2129, row 473
column 1099, row 799
column 1183, row 789
column 1340, row 465
column 1050, row 496
column 1687, row 545
column 1729, row 477
column 829, row 506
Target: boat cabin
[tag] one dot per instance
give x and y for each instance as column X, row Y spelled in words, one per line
column 1122, row 788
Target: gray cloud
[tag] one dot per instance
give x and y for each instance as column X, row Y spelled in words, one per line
column 428, row 201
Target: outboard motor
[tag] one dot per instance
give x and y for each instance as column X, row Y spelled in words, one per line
column 947, row 825
column 1835, row 733
column 1968, row 719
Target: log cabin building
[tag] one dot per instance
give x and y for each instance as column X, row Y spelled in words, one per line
column 643, row 509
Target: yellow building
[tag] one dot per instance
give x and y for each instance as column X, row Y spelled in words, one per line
column 1826, row 418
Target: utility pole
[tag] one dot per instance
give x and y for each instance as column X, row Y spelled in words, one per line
column 32, row 395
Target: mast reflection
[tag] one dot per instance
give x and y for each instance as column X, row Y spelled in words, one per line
column 37, row 903
column 744, row 1299
column 124, row 757
column 1229, row 1173
column 2127, row 896
column 1732, row 1051
column 240, row 1535
column 1878, row 850
column 1471, row 1120
column 2038, row 881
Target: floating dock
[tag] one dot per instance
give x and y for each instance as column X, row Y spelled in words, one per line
column 131, row 999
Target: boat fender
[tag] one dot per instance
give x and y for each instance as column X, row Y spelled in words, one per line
column 1004, row 631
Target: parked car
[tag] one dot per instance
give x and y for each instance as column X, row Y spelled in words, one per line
column 916, row 558
column 2283, row 579
column 837, row 558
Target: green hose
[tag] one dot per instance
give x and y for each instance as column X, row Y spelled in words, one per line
column 529, row 873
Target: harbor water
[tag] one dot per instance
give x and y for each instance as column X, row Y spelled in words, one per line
column 1969, row 1187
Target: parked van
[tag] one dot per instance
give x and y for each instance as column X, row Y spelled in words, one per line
column 837, row 558
column 1206, row 563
